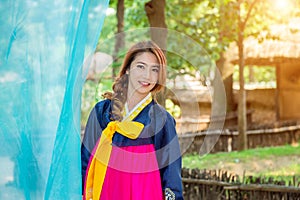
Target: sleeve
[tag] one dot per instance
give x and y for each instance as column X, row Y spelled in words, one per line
column 91, row 134
column 168, row 156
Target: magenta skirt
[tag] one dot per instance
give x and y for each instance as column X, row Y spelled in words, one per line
column 132, row 174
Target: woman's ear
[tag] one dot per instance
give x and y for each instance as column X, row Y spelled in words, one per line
column 127, row 71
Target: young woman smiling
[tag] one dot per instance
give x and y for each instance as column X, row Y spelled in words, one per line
column 130, row 148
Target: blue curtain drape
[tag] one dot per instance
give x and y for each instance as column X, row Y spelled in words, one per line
column 44, row 46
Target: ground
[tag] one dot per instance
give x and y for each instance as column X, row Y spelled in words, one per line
column 283, row 165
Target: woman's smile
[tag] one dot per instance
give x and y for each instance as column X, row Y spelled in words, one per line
column 143, row 83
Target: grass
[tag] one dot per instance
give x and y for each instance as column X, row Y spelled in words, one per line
column 271, row 161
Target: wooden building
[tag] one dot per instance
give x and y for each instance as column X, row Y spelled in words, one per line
column 283, row 53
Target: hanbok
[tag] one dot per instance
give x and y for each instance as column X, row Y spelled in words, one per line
column 147, row 167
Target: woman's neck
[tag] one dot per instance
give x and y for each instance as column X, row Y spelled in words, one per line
column 133, row 100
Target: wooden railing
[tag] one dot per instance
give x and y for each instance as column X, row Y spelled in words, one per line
column 220, row 185
column 226, row 140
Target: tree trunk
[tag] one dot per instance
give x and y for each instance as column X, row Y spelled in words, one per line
column 120, row 39
column 223, row 61
column 242, row 117
column 228, row 84
column 251, row 75
column 155, row 10
column 218, row 111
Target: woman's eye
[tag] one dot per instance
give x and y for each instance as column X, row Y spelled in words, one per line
column 140, row 66
column 155, row 70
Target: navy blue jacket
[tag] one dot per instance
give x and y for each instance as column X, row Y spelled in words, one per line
column 159, row 129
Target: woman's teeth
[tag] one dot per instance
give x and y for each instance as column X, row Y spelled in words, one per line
column 144, row 83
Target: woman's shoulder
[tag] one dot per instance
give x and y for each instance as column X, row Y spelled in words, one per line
column 102, row 111
column 102, row 105
column 162, row 109
column 104, row 102
column 161, row 113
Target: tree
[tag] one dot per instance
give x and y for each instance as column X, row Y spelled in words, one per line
column 120, row 39
column 250, row 24
column 242, row 117
column 211, row 23
column 217, row 23
column 155, row 10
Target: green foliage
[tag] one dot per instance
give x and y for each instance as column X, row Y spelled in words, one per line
column 212, row 23
column 179, row 66
column 87, row 99
column 92, row 93
column 261, row 74
column 173, row 109
column 135, row 15
column 108, row 31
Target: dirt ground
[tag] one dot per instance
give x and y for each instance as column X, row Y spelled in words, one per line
column 271, row 166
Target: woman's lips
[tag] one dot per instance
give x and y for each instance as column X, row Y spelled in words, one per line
column 144, row 83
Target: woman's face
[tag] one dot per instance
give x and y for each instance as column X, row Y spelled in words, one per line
column 143, row 75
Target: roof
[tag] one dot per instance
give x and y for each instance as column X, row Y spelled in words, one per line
column 186, row 89
column 281, row 46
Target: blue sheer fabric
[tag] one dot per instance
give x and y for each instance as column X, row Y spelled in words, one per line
column 44, row 46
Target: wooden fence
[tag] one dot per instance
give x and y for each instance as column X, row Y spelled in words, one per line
column 226, row 140
column 220, row 185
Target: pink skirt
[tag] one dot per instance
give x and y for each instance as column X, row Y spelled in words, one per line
column 132, row 174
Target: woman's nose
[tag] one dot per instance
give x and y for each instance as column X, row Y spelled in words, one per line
column 147, row 73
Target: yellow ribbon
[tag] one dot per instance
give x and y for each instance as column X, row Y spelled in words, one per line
column 98, row 166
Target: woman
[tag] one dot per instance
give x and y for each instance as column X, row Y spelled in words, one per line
column 130, row 148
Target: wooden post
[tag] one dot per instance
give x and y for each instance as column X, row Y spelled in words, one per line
column 277, row 92
column 242, row 117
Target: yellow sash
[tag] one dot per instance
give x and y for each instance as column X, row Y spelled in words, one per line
column 98, row 166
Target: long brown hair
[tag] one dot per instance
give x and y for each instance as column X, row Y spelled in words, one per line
column 120, row 85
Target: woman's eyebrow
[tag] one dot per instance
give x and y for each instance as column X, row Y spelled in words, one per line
column 150, row 64
column 141, row 62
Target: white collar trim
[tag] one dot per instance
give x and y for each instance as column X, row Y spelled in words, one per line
column 128, row 113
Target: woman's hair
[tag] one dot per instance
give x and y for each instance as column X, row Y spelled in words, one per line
column 120, row 85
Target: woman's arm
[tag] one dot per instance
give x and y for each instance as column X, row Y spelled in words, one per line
column 91, row 134
column 168, row 154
